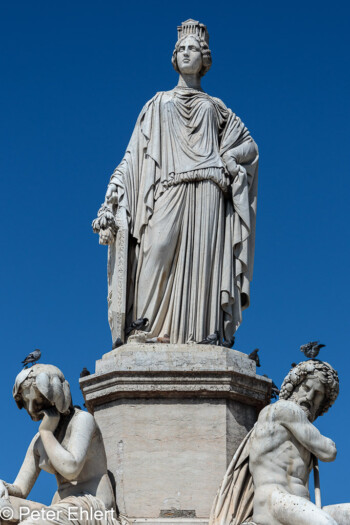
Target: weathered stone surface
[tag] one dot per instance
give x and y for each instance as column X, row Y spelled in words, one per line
column 168, row 370
column 169, row 521
column 267, row 482
column 175, row 357
column 68, row 444
column 171, row 417
column 187, row 187
column 340, row 513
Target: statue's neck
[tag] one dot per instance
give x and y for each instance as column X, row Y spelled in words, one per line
column 190, row 81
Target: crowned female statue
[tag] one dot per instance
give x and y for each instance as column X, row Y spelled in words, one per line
column 183, row 203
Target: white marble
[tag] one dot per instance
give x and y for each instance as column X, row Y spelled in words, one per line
column 172, row 357
column 267, row 480
column 171, row 417
column 69, row 445
column 179, row 211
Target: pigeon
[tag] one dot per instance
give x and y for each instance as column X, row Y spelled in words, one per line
column 137, row 325
column 117, row 343
column 85, row 372
column 212, row 339
column 275, row 392
column 32, row 358
column 254, row 356
column 229, row 343
column 311, row 349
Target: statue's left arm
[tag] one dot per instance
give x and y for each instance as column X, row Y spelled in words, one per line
column 294, row 419
column 125, row 184
column 237, row 147
column 68, row 460
column 240, row 155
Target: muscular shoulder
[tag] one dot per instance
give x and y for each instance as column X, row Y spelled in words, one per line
column 287, row 411
column 84, row 420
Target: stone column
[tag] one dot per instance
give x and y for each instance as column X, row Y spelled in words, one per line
column 172, row 417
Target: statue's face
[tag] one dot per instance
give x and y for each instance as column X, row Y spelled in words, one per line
column 309, row 395
column 189, row 57
column 34, row 402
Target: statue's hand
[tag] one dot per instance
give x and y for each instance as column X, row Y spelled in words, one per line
column 111, row 193
column 231, row 166
column 107, row 236
column 4, row 493
column 50, row 420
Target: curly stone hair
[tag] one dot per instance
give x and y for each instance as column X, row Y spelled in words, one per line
column 50, row 382
column 324, row 372
column 206, row 54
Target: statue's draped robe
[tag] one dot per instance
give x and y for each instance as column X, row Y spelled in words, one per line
column 192, row 224
column 233, row 503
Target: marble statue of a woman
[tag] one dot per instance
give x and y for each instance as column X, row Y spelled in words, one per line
column 69, row 445
column 185, row 193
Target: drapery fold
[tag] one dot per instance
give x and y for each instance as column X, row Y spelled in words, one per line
column 181, row 138
column 233, row 503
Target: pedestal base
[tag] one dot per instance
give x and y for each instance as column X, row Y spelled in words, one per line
column 169, row 521
column 172, row 417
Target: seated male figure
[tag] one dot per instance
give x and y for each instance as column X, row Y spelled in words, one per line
column 284, row 444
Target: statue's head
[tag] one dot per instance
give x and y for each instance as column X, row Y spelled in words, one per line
column 41, row 387
column 313, row 385
column 192, row 54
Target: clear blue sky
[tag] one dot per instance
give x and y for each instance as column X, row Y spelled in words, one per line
column 74, row 77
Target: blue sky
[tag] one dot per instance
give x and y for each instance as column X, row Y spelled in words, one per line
column 75, row 75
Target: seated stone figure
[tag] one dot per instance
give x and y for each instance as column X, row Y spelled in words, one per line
column 267, row 480
column 69, row 445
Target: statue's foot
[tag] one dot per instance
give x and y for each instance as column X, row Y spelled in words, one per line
column 137, row 337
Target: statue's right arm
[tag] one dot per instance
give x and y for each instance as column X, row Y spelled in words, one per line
column 111, row 189
column 105, row 224
column 294, row 419
column 27, row 474
column 108, row 221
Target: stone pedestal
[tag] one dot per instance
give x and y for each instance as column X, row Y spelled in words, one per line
column 172, row 417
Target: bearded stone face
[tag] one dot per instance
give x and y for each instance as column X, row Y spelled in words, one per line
column 310, row 395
